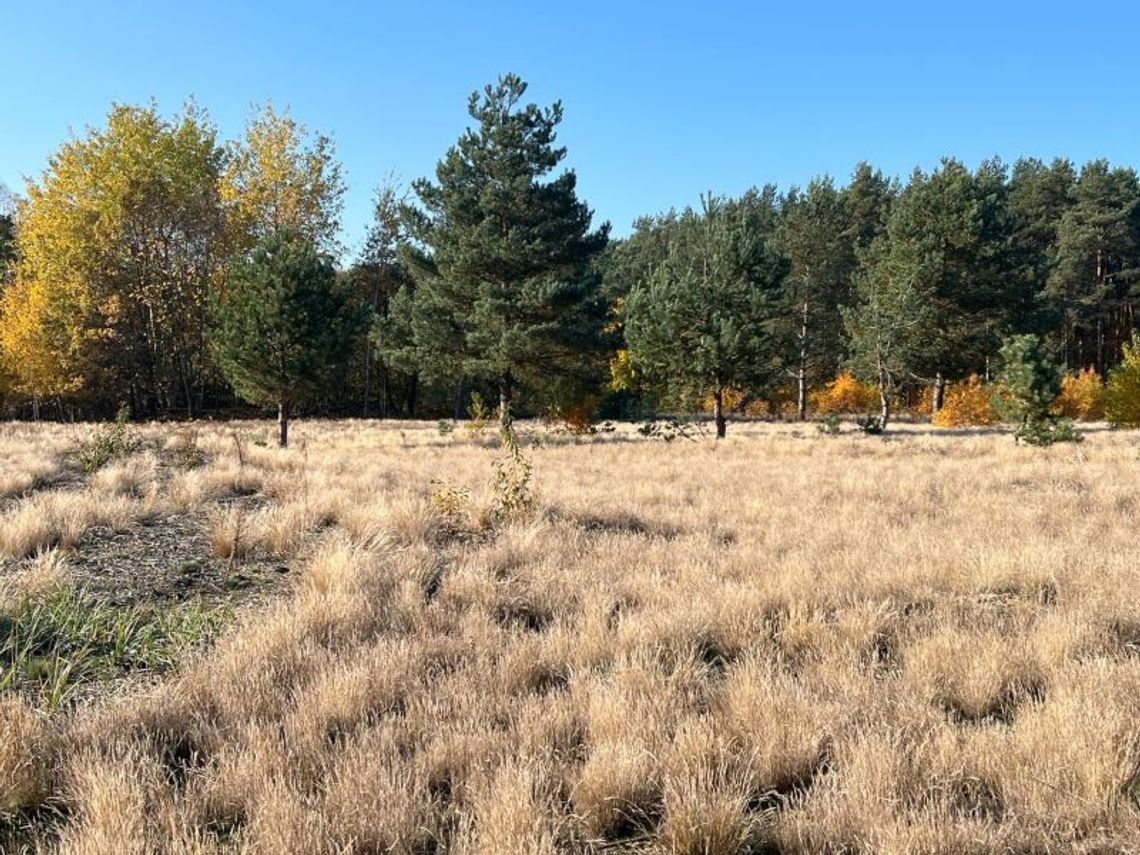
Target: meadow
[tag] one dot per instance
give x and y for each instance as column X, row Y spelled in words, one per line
column 782, row 642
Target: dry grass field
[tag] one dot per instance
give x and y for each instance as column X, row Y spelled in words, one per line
column 784, row 643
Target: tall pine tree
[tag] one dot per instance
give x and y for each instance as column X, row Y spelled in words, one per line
column 815, row 237
column 1094, row 282
column 701, row 323
column 501, row 257
column 947, row 235
column 1038, row 197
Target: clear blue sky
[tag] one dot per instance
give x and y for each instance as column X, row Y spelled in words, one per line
column 663, row 100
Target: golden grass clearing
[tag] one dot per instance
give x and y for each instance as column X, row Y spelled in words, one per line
column 782, row 643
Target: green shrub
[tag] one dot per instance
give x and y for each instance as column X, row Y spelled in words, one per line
column 108, row 443
column 1046, row 431
column 1027, row 381
column 829, row 424
column 1027, row 384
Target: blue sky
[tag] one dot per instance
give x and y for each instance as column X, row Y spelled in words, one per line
column 663, row 100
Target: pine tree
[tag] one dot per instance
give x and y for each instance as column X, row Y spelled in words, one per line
column 950, row 227
column 888, row 323
column 1038, row 197
column 868, row 198
column 281, row 326
column 1028, row 381
column 947, row 234
column 815, row 237
column 374, row 281
column 504, row 286
column 701, row 322
column 1096, row 266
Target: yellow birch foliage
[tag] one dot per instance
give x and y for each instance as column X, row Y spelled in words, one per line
column 623, row 376
column 1122, row 394
column 965, row 405
column 282, row 176
column 1081, row 396
column 119, row 242
column 37, row 350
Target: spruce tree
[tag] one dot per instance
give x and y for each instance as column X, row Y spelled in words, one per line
column 501, row 256
column 281, row 326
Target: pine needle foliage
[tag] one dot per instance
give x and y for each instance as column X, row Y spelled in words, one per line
column 281, row 326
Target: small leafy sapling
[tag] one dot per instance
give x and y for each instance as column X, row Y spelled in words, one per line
column 513, row 470
column 109, row 442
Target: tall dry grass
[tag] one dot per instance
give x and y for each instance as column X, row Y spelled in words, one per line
column 783, row 643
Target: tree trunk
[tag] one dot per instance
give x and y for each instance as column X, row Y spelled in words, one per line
column 186, row 390
column 1100, row 361
column 367, row 378
column 939, row 393
column 389, row 399
column 506, row 393
column 283, row 424
column 884, row 401
column 413, row 394
column 458, row 414
column 718, row 412
column 801, row 379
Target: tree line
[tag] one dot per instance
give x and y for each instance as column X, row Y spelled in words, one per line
column 155, row 266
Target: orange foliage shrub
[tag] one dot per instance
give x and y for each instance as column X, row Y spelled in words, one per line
column 845, row 394
column 778, row 402
column 578, row 416
column 1081, row 397
column 966, row 404
column 923, row 404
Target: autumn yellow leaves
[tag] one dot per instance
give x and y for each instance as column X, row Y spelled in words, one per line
column 128, row 231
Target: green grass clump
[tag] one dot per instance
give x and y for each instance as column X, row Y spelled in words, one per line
column 53, row 647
